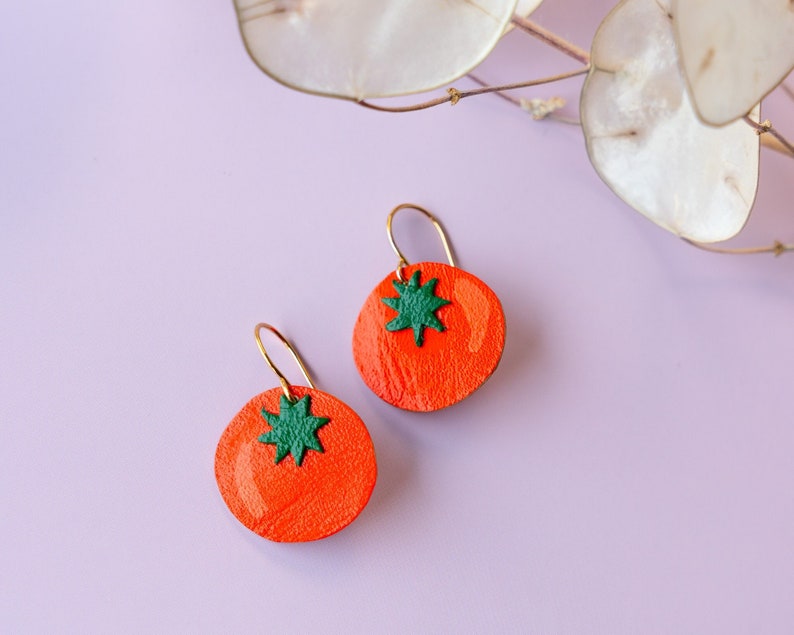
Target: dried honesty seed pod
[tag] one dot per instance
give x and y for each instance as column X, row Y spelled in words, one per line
column 645, row 139
column 733, row 52
column 359, row 49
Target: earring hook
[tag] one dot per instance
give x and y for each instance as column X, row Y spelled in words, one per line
column 285, row 385
column 403, row 262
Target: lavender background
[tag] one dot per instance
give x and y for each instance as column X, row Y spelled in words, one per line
column 626, row 470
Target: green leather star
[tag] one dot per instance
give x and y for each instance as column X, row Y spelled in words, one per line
column 294, row 429
column 416, row 307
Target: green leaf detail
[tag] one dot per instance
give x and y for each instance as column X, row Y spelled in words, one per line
column 416, row 307
column 294, row 429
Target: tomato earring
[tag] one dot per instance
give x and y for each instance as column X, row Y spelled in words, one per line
column 295, row 464
column 429, row 334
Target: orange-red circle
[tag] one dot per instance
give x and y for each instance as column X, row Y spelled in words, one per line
column 284, row 502
column 449, row 365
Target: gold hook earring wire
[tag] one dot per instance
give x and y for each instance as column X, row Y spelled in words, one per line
column 403, row 262
column 285, row 385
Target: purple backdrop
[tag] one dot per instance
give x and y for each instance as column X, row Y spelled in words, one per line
column 626, row 470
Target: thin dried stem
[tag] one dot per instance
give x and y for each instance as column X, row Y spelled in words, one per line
column 518, row 102
column 767, row 128
column 505, row 96
column 787, row 89
column 454, row 95
column 774, row 144
column 777, row 248
column 552, row 39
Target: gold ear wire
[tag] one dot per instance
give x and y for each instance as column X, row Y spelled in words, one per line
column 285, row 385
column 402, row 260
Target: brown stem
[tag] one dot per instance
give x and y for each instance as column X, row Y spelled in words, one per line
column 767, row 128
column 454, row 95
column 777, row 248
column 774, row 144
column 551, row 39
column 518, row 102
column 505, row 96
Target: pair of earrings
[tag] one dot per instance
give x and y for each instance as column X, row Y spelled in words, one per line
column 297, row 464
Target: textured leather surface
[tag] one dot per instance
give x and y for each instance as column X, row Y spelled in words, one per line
column 284, row 502
column 449, row 365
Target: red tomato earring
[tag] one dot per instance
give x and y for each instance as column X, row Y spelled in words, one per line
column 295, row 464
column 429, row 334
